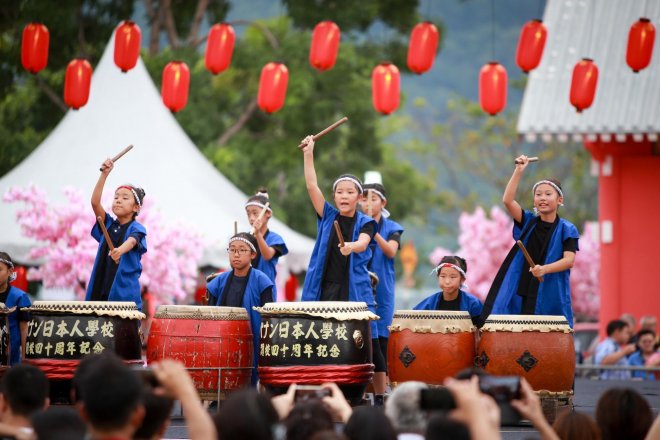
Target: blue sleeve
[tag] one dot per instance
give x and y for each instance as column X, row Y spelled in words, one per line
column 213, row 287
column 474, row 305
column 96, row 230
column 527, row 216
column 24, row 301
column 570, row 231
column 428, row 303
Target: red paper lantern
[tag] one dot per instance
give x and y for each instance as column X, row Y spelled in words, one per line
column 21, row 280
column 272, row 87
column 385, row 88
column 77, row 81
column 34, row 48
column 325, row 45
column 530, row 45
column 176, row 82
column 127, row 45
column 492, row 88
column 219, row 48
column 640, row 44
column 422, row 47
column 583, row 84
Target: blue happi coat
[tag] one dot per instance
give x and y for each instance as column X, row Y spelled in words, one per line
column 19, row 299
column 469, row 303
column 126, row 286
column 270, row 267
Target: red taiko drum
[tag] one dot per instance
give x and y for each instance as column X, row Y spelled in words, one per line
column 214, row 343
column 429, row 345
column 539, row 348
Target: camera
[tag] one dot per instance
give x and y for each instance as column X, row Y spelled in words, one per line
column 436, row 399
column 305, row 392
column 148, row 376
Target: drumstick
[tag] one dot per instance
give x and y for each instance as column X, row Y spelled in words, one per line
column 105, row 233
column 527, row 257
column 327, row 130
column 121, row 153
column 261, row 215
column 529, row 159
column 235, row 227
column 339, row 236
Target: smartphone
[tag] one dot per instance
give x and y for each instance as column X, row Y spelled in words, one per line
column 436, row 399
column 147, row 375
column 304, row 392
column 501, row 388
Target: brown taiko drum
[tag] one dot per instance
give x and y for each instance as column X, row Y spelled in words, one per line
column 5, row 348
column 429, row 345
column 214, row 343
column 539, row 348
column 316, row 342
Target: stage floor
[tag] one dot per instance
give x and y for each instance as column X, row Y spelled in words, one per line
column 587, row 393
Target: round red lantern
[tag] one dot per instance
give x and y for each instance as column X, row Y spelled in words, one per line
column 272, row 87
column 492, row 88
column 77, row 80
column 385, row 88
column 583, row 84
column 127, row 45
column 176, row 82
column 21, row 280
column 219, row 48
column 422, row 47
column 640, row 44
column 34, row 47
column 325, row 45
column 530, row 45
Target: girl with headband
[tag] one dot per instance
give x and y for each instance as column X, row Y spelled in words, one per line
column 335, row 272
column 452, row 273
column 116, row 273
column 384, row 247
column 242, row 286
column 271, row 245
column 12, row 296
column 551, row 242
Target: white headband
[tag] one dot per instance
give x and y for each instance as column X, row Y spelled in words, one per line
column 135, row 194
column 453, row 266
column 244, row 240
column 9, row 264
column 347, row 179
column 552, row 184
column 384, row 212
column 260, row 205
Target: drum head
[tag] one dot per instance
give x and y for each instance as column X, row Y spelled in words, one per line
column 340, row 310
column 432, row 321
column 212, row 313
column 526, row 323
column 122, row 309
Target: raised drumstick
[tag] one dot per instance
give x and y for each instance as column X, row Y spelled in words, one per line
column 105, row 233
column 235, row 227
column 339, row 236
column 121, row 153
column 527, row 257
column 261, row 215
column 529, row 159
column 325, row 131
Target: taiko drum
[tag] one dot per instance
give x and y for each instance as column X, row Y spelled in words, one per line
column 539, row 348
column 5, row 347
column 429, row 345
column 214, row 343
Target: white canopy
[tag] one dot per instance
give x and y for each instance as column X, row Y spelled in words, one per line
column 123, row 109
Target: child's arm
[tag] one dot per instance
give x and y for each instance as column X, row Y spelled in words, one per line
column 561, row 265
column 358, row 246
column 126, row 246
column 267, row 252
column 315, row 194
column 509, row 197
column 98, row 189
column 389, row 247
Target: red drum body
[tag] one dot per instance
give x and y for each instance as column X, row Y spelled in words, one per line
column 316, row 342
column 214, row 343
column 539, row 348
column 429, row 345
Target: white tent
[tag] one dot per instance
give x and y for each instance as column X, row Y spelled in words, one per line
column 123, row 109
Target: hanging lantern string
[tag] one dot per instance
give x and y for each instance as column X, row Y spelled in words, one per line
column 591, row 28
column 492, row 29
column 540, row 10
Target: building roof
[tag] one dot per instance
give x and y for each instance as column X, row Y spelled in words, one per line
column 626, row 103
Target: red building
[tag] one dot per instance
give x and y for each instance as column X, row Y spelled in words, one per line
column 620, row 130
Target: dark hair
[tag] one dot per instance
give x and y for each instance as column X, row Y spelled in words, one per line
column 261, row 196
column 110, row 392
column 306, row 418
column 455, row 260
column 369, row 423
column 5, row 256
column 441, row 427
column 157, row 412
column 84, row 367
column 615, row 325
column 377, row 186
column 246, row 415
column 645, row 331
column 328, row 434
column 623, row 413
column 59, row 423
column 249, row 237
column 574, row 425
column 25, row 388
column 350, row 176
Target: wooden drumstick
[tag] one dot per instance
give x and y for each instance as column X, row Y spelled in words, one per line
column 325, row 131
column 261, row 215
column 527, row 257
column 529, row 159
column 235, row 227
column 121, row 153
column 105, row 233
column 339, row 236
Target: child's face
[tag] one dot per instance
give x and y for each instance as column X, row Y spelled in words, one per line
column 124, row 203
column 622, row 336
column 240, row 255
column 346, row 198
column 253, row 213
column 449, row 280
column 5, row 273
column 646, row 343
column 546, row 199
column 377, row 204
